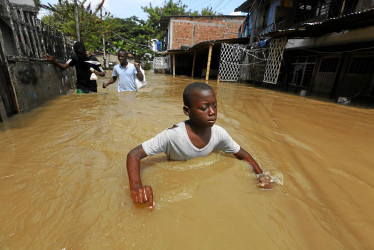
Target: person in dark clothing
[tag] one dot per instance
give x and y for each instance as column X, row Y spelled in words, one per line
column 84, row 65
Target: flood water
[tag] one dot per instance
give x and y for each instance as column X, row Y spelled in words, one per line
column 63, row 180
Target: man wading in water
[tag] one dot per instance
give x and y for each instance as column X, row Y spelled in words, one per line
column 126, row 73
column 84, row 65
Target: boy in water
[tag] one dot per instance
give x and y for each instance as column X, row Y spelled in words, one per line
column 85, row 65
column 195, row 137
column 126, row 73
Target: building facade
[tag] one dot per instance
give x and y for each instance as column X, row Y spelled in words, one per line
column 186, row 31
column 327, row 51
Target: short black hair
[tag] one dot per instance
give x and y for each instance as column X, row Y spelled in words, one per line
column 188, row 91
column 122, row 51
column 80, row 50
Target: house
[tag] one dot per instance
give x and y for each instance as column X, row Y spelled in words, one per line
column 193, row 43
column 321, row 48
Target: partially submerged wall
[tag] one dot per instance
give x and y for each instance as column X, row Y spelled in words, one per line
column 36, row 82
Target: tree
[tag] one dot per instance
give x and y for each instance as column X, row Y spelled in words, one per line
column 208, row 11
column 92, row 25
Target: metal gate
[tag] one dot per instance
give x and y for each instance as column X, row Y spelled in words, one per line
column 325, row 76
column 230, row 59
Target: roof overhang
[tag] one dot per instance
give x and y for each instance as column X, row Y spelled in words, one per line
column 204, row 45
column 246, row 6
column 346, row 22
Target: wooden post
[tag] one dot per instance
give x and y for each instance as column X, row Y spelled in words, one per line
column 24, row 45
column 23, row 23
column 14, row 31
column 28, row 25
column 193, row 63
column 342, row 9
column 174, row 65
column 41, row 34
column 5, row 66
column 208, row 65
column 32, row 18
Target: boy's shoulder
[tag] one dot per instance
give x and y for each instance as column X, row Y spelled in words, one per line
column 177, row 126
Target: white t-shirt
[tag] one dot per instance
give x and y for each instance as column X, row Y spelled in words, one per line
column 176, row 144
column 126, row 77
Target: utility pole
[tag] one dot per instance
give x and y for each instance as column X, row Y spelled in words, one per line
column 102, row 26
column 77, row 20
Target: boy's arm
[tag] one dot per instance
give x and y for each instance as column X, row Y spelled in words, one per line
column 264, row 181
column 111, row 80
column 98, row 72
column 53, row 60
column 139, row 193
column 244, row 155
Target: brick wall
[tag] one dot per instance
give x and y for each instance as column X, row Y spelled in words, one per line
column 188, row 31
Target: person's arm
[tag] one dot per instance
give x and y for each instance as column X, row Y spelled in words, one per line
column 139, row 193
column 99, row 73
column 139, row 73
column 265, row 181
column 111, row 80
column 53, row 60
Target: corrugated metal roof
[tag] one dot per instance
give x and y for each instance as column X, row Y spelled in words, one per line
column 350, row 21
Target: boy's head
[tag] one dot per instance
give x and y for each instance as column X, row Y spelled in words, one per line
column 122, row 56
column 189, row 91
column 200, row 104
column 80, row 50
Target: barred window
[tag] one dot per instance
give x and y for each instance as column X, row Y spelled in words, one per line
column 362, row 65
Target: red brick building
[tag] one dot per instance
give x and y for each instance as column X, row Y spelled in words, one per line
column 186, row 31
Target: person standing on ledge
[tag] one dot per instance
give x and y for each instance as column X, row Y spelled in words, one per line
column 126, row 73
column 84, row 65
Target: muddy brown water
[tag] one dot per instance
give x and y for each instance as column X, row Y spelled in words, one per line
column 63, row 180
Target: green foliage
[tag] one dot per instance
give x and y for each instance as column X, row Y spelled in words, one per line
column 208, row 11
column 131, row 35
column 93, row 25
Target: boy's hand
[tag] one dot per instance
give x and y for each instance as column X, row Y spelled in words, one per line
column 265, row 181
column 137, row 65
column 47, row 56
column 143, row 194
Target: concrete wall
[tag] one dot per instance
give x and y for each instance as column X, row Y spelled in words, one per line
column 36, row 82
column 188, row 31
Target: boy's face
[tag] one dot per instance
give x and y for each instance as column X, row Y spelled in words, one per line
column 203, row 110
column 122, row 58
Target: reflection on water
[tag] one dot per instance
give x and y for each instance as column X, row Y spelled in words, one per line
column 63, row 182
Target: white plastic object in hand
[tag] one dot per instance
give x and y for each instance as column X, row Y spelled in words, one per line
column 93, row 77
column 275, row 177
